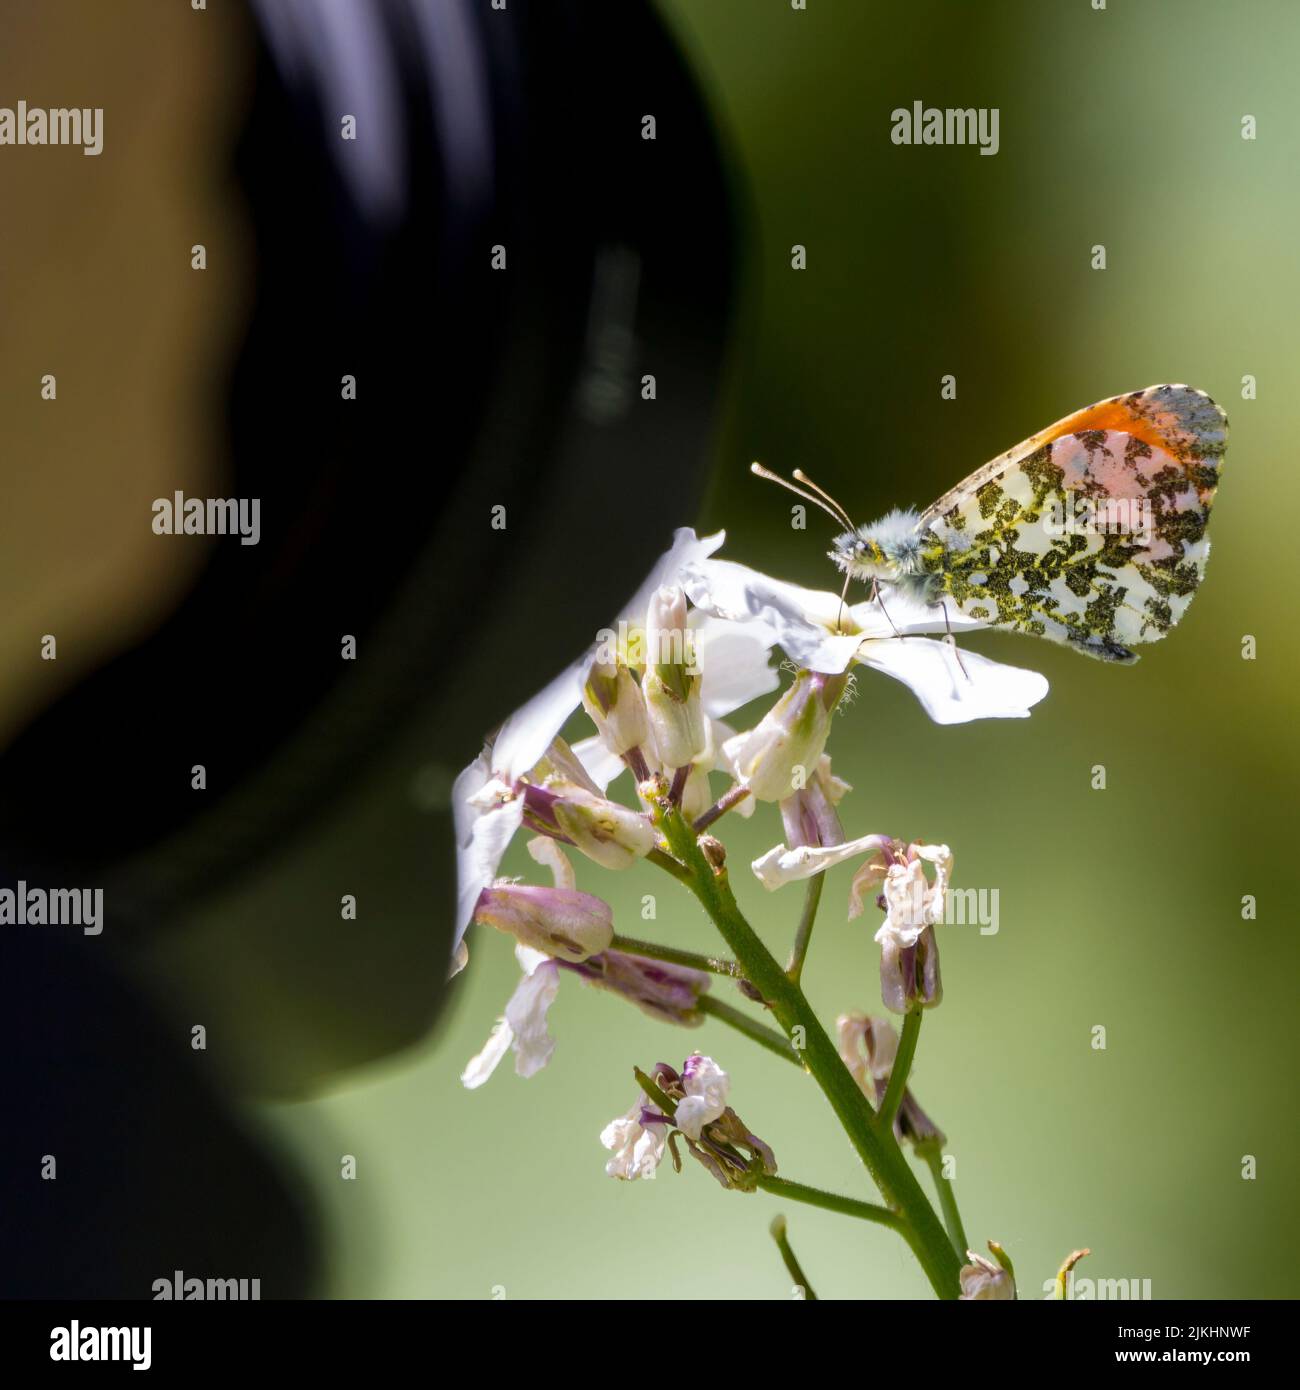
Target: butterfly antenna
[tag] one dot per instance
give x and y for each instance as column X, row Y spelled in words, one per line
column 759, row 471
column 844, row 596
column 802, row 477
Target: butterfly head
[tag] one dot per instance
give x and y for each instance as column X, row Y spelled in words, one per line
column 888, row 551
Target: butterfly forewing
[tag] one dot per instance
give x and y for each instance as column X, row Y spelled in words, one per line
column 1091, row 532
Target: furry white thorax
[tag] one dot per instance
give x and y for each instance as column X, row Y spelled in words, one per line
column 896, row 542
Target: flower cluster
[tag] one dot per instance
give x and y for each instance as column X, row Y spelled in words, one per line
column 690, row 1106
column 692, row 648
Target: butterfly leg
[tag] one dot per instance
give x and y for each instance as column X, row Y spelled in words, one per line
column 951, row 639
column 875, row 594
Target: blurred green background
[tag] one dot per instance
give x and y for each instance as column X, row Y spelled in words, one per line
column 1119, row 907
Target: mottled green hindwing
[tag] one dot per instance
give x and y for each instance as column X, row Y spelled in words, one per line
column 1093, row 532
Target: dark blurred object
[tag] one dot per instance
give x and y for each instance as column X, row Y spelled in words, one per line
column 475, row 389
column 149, row 1173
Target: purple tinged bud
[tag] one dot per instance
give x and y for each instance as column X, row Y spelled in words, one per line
column 909, row 975
column 560, row 922
column 809, row 814
column 670, row 993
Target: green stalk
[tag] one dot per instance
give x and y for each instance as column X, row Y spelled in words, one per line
column 792, row 1265
column 947, row 1200
column 830, row 1201
column 879, row 1153
column 652, row 950
column 899, row 1073
column 802, row 937
column 750, row 1027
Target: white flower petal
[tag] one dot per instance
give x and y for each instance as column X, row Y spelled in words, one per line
column 600, row 764
column 686, row 552
column 527, row 733
column 929, row 669
column 735, row 664
column 801, row 621
column 550, row 855
column 526, row 1016
column 528, row 958
column 706, row 1086
column 482, row 837
column 780, row 865
column 637, row 1148
column 480, row 1067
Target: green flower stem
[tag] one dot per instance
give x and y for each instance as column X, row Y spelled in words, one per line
column 652, row 950
column 666, row 861
column 812, row 896
column 879, row 1153
column 947, row 1200
column 751, row 1027
column 793, row 1267
column 899, row 1073
column 830, row 1201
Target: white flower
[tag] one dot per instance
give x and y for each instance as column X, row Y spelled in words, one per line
column 706, row 1086
column 868, row 1047
column 735, row 668
column 984, row 1280
column 819, row 633
column 912, row 902
column 486, row 806
column 523, row 1025
column 781, row 865
column 487, row 813
column 637, row 1141
column 789, row 737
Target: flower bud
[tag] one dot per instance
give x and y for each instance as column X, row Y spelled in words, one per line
column 613, row 699
column 869, row 1047
column 672, row 683
column 909, row 975
column 730, row 1129
column 909, row 950
column 704, row 1085
column 667, row 992
column 790, row 736
column 809, row 814
column 612, row 834
column 982, row 1280
column 560, row 922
